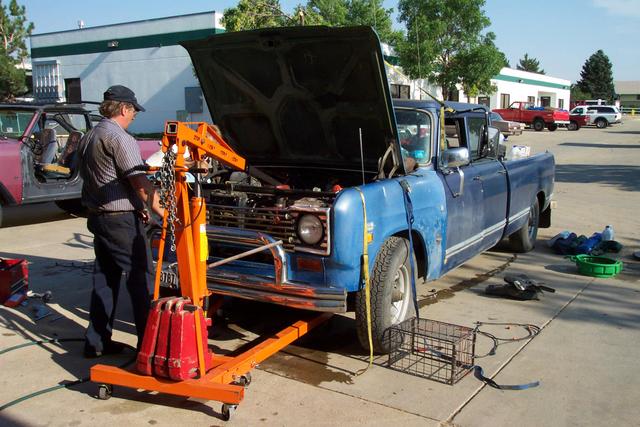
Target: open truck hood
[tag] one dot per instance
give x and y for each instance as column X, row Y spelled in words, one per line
column 299, row 95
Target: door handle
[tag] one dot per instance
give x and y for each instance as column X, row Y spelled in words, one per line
column 502, row 171
column 477, row 178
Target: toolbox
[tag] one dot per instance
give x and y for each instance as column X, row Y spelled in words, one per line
column 14, row 278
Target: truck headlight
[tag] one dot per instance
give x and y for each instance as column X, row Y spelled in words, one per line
column 310, row 229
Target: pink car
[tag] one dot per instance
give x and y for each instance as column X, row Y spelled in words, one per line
column 38, row 153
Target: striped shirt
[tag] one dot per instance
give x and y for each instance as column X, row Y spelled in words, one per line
column 109, row 156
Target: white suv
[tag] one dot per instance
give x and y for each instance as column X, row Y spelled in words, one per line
column 599, row 115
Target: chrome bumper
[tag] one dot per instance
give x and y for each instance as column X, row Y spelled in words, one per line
column 278, row 289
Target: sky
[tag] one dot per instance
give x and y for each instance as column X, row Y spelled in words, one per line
column 561, row 34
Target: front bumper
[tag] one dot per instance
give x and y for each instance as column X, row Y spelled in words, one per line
column 278, row 289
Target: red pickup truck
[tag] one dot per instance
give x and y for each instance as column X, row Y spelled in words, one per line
column 536, row 117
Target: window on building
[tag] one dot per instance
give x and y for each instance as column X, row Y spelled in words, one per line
column 638, row 97
column 72, row 91
column 561, row 103
column 399, row 91
column 545, row 101
column 531, row 99
column 484, row 100
column 505, row 100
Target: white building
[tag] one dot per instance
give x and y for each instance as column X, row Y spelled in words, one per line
column 144, row 56
column 515, row 85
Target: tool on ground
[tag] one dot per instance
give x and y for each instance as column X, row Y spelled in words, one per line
column 519, row 287
column 44, row 296
column 175, row 357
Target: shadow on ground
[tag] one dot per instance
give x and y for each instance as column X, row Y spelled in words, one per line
column 626, row 177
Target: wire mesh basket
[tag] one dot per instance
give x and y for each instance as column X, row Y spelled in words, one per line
column 430, row 349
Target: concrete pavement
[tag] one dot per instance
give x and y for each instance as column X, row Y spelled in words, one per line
column 585, row 356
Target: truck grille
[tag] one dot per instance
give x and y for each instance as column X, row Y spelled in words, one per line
column 278, row 223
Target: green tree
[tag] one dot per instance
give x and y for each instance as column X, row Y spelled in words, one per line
column 529, row 64
column 252, row 14
column 14, row 30
column 445, row 45
column 578, row 94
column 597, row 77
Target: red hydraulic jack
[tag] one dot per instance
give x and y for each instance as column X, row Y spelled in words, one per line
column 175, row 358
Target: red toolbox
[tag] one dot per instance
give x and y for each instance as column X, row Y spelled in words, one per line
column 183, row 350
column 14, row 278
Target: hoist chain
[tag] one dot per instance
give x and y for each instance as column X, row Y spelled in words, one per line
column 168, row 194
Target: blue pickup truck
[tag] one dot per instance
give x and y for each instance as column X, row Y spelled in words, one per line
column 310, row 110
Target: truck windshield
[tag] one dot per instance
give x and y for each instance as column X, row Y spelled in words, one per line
column 13, row 123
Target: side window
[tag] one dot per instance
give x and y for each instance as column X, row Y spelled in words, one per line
column 475, row 125
column 454, row 129
column 74, row 120
column 414, row 130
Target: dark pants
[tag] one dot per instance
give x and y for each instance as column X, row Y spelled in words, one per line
column 122, row 252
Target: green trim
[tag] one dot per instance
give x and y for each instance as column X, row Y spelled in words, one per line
column 140, row 42
column 529, row 81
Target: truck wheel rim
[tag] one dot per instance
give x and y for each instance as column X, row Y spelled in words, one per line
column 400, row 295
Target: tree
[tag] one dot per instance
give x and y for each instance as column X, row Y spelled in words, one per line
column 529, row 64
column 14, row 31
column 444, row 44
column 578, row 94
column 252, row 14
column 597, row 77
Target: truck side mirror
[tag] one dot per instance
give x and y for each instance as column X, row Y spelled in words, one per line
column 455, row 157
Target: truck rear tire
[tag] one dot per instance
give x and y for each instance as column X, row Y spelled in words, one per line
column 538, row 125
column 391, row 294
column 524, row 239
column 552, row 127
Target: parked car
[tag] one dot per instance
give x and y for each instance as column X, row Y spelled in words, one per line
column 328, row 146
column 600, row 116
column 536, row 117
column 507, row 127
column 38, row 153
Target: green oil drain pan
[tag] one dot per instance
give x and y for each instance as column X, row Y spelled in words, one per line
column 597, row 266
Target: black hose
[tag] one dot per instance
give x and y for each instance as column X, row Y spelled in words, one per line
column 59, row 386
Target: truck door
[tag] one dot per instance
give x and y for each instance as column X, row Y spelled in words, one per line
column 493, row 179
column 464, row 200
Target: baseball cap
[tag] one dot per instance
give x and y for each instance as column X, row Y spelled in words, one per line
column 122, row 94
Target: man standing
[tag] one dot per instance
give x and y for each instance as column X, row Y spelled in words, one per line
column 115, row 192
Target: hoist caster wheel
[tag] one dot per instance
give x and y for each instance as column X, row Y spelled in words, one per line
column 227, row 411
column 244, row 380
column 105, row 391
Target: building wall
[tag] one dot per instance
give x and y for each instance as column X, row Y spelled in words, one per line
column 143, row 56
column 522, row 85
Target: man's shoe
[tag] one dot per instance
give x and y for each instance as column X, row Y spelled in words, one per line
column 112, row 347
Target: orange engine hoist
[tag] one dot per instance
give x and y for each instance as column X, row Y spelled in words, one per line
column 175, row 357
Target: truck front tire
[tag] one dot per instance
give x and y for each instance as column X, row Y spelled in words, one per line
column 552, row 127
column 524, row 239
column 391, row 294
column 538, row 125
column 573, row 125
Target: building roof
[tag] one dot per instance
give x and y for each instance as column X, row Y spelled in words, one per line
column 628, row 87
